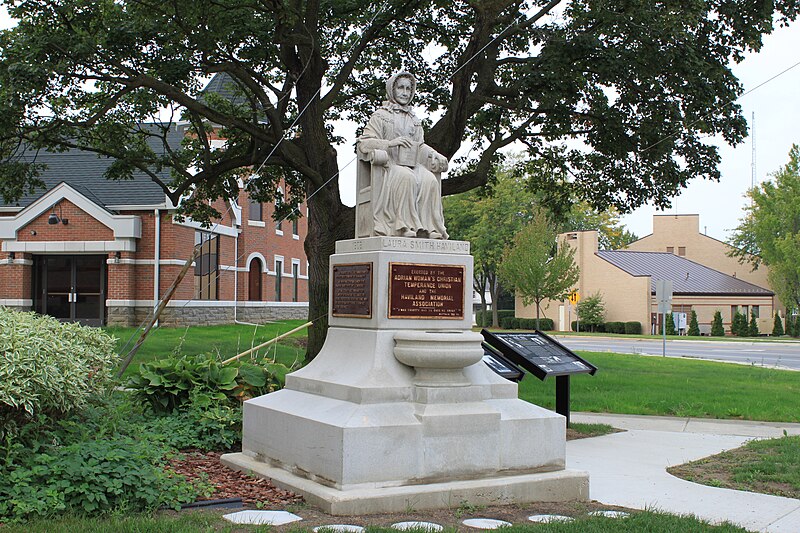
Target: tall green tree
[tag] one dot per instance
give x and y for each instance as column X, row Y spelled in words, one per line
column 611, row 234
column 537, row 266
column 769, row 233
column 489, row 218
column 641, row 85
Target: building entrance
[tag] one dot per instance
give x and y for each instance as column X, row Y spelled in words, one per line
column 71, row 288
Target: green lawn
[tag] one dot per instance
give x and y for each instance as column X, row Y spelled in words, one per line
column 770, row 466
column 211, row 521
column 633, row 384
column 628, row 384
column 224, row 341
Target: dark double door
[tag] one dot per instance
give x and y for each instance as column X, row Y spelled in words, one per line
column 71, row 287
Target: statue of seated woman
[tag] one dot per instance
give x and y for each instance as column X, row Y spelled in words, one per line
column 409, row 201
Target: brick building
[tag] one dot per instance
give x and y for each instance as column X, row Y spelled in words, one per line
column 103, row 252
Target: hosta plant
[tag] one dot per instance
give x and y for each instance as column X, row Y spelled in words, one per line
column 168, row 383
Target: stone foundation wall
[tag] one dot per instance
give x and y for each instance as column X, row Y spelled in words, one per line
column 204, row 316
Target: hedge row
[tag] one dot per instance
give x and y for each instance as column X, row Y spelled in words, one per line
column 509, row 321
column 628, row 328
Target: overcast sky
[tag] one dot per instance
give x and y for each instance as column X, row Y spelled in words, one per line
column 776, row 105
column 777, row 126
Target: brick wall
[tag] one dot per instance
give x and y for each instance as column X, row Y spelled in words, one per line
column 81, row 226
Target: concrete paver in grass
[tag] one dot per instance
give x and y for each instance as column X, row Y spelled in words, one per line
column 485, row 523
column 272, row 518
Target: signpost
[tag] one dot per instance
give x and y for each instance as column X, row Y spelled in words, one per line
column 664, row 300
column 542, row 356
column 575, row 297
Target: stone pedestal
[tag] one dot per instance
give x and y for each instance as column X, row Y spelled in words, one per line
column 398, row 411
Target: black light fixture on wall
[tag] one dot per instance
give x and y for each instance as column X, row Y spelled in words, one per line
column 55, row 219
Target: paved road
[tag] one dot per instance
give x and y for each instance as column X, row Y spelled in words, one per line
column 768, row 354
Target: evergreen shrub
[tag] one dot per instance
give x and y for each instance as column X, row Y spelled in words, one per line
column 717, row 329
column 694, row 327
column 633, row 328
column 777, row 326
column 615, row 327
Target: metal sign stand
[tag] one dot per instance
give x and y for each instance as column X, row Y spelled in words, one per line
column 664, row 299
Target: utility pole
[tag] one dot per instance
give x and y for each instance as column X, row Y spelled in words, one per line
column 753, row 178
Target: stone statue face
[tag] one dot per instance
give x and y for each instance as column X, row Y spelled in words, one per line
column 403, row 90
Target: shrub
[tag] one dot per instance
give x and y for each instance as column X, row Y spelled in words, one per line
column 739, row 325
column 591, row 311
column 527, row 323
column 48, row 366
column 203, row 423
column 777, row 326
column 752, row 327
column 91, row 476
column 717, row 330
column 694, row 327
column 598, row 328
column 507, row 322
column 670, row 325
column 485, row 319
column 633, row 328
column 615, row 327
column 168, row 383
column 545, row 324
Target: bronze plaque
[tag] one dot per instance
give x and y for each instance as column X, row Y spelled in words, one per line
column 352, row 290
column 426, row 291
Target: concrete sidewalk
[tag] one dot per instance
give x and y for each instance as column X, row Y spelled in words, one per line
column 629, row 469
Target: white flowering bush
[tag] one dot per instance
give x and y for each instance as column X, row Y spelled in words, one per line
column 50, row 367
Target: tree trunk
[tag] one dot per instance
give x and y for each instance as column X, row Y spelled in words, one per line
column 537, row 314
column 328, row 221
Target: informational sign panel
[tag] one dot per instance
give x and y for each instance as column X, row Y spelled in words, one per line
column 538, row 353
column 501, row 366
column 664, row 295
column 352, row 290
column 542, row 356
column 426, row 291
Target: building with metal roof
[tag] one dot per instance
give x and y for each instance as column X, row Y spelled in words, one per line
column 626, row 281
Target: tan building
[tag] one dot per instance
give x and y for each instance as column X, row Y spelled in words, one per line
column 625, row 280
column 680, row 235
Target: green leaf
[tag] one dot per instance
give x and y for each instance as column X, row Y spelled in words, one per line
column 253, row 375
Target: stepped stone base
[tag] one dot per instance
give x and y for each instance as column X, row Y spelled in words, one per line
column 563, row 485
column 399, row 413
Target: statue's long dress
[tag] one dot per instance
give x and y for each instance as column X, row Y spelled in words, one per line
column 410, row 199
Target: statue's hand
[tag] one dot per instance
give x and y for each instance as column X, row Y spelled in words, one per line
column 401, row 141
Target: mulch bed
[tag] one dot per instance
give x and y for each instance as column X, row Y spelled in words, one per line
column 197, row 465
column 257, row 492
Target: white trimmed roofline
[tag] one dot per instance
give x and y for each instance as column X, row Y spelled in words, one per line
column 123, row 226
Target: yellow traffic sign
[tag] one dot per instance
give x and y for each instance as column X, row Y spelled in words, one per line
column 574, row 297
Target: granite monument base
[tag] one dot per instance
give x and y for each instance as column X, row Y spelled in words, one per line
column 398, row 411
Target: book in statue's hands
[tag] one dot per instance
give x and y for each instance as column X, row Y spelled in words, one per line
column 407, row 156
